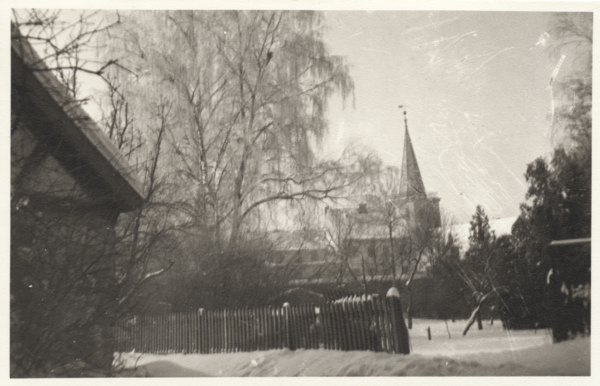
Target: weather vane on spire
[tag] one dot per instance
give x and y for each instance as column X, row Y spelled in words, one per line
column 405, row 119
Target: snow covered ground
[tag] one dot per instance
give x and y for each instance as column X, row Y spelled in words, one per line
column 492, row 351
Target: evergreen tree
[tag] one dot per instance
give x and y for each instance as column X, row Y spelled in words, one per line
column 481, row 241
column 559, row 201
column 481, row 267
column 448, row 297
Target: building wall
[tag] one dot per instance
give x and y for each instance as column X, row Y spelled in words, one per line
column 62, row 257
column 62, row 282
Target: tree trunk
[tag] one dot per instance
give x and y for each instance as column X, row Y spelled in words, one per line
column 365, row 284
column 408, row 309
column 392, row 256
column 471, row 320
column 409, row 287
column 476, row 315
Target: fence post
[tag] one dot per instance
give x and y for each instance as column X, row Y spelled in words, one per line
column 399, row 330
column 347, row 326
column 302, row 321
column 350, row 320
column 289, row 340
column 253, row 330
column 201, row 325
column 339, row 326
column 362, row 325
column 329, row 326
column 384, row 318
column 246, row 329
column 278, row 324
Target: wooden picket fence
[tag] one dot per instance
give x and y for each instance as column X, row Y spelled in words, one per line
column 356, row 323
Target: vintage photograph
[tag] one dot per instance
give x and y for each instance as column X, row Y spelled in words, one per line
column 300, row 192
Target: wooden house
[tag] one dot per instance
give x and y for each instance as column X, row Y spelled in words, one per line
column 69, row 184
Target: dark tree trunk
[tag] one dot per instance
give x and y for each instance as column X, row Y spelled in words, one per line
column 408, row 309
column 476, row 315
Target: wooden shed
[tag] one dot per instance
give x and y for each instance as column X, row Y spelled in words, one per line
column 69, row 183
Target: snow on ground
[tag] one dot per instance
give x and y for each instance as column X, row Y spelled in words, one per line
column 492, row 351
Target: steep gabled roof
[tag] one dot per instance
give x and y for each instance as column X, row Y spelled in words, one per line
column 411, row 182
column 72, row 123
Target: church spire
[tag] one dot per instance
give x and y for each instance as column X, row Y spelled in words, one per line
column 411, row 182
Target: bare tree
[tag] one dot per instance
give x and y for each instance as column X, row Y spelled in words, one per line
column 480, row 268
column 149, row 236
column 249, row 92
column 65, row 44
column 341, row 232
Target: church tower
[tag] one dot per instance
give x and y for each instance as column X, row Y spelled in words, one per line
column 418, row 208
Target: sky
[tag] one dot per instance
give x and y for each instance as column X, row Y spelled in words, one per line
column 476, row 90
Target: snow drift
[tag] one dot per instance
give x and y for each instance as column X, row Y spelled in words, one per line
column 491, row 352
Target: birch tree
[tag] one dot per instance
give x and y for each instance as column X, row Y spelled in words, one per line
column 250, row 92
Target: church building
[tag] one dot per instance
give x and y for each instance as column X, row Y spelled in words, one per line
column 375, row 238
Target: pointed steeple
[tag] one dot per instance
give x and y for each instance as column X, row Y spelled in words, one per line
column 411, row 182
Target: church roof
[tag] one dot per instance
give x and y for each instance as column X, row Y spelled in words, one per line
column 411, row 182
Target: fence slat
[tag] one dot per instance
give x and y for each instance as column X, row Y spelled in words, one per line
column 347, row 318
column 186, row 332
column 253, row 329
column 270, row 329
column 194, row 324
column 278, row 336
column 325, row 322
column 388, row 325
column 359, row 323
column 178, row 346
column 299, row 327
column 203, row 338
column 159, row 333
column 152, row 333
column 251, row 324
column 331, row 328
column 224, row 330
column 240, row 328
column 307, row 325
column 243, row 335
column 219, row 328
column 335, row 329
column 339, row 333
column 260, row 323
column 155, row 333
column 265, row 328
column 226, row 343
column 172, row 332
column 152, row 347
column 217, row 331
column 210, row 333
